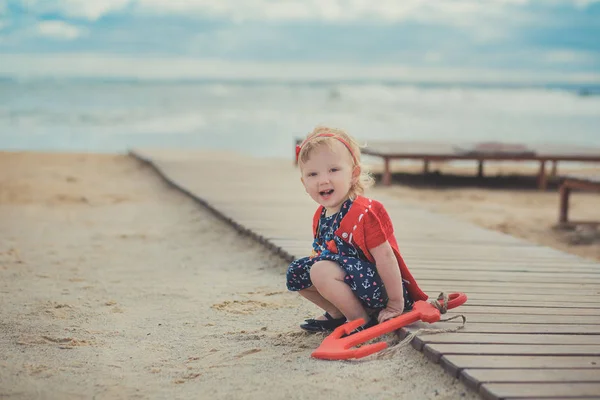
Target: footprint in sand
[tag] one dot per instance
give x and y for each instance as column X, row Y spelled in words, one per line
column 60, row 311
column 39, row 370
column 248, row 352
column 275, row 293
column 62, row 342
column 187, row 377
column 12, row 255
column 244, row 307
column 297, row 339
column 263, row 293
column 69, row 199
column 115, row 308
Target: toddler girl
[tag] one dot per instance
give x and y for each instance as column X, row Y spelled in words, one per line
column 355, row 269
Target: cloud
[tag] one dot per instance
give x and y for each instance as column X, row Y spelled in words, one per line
column 584, row 3
column 294, row 10
column 91, row 10
column 487, row 22
column 568, row 57
column 58, row 30
column 515, row 35
column 88, row 65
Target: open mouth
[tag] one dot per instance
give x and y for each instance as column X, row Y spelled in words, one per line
column 326, row 192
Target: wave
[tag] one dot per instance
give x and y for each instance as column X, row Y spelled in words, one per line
column 269, row 117
column 583, row 89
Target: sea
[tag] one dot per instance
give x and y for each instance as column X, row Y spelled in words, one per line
column 263, row 119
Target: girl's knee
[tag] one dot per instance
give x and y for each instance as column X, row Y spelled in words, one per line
column 325, row 270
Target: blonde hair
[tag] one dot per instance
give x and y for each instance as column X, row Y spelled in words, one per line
column 313, row 141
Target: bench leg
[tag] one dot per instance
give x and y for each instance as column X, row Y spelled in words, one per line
column 554, row 168
column 542, row 179
column 565, row 192
column 480, row 169
column 387, row 175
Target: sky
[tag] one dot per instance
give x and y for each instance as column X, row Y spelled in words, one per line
column 533, row 41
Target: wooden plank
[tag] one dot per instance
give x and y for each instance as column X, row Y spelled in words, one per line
column 592, row 313
column 524, row 250
column 538, row 304
column 436, row 287
column 437, row 149
column 503, row 327
column 557, row 262
column 436, row 351
column 494, row 257
column 510, row 248
column 444, row 237
column 527, row 297
column 520, row 262
column 552, row 398
column 502, row 338
column 507, row 251
column 512, row 243
column 525, row 319
column 538, row 287
column 496, row 391
column 408, row 239
column 475, row 377
column 454, row 363
column 585, row 280
column 455, row 265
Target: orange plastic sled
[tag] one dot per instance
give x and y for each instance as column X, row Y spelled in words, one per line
column 336, row 347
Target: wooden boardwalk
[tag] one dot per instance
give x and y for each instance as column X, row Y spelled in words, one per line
column 533, row 314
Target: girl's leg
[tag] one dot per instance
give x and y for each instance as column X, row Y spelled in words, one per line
column 312, row 295
column 298, row 279
column 328, row 279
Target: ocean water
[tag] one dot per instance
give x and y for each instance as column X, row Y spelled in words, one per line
column 263, row 119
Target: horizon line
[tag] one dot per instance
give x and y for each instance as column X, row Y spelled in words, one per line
column 304, row 81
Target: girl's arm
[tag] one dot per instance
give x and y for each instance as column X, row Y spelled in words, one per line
column 387, row 267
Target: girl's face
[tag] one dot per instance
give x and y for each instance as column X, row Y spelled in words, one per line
column 328, row 175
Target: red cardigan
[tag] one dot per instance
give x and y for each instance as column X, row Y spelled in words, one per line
column 366, row 226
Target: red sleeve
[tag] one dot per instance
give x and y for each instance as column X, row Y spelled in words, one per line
column 378, row 226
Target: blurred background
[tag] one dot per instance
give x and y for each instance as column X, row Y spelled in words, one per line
column 251, row 76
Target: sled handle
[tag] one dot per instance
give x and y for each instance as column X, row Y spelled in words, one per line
column 456, row 299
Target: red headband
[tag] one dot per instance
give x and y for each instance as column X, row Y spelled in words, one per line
column 299, row 147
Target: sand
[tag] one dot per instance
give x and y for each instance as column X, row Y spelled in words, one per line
column 113, row 285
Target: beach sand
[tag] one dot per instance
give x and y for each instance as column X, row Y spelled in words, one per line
column 113, row 285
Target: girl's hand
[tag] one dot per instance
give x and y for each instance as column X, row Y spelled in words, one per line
column 392, row 310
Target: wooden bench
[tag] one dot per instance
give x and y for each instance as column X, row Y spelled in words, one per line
column 570, row 183
column 480, row 153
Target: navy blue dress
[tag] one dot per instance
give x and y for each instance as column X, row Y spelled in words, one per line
column 361, row 274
